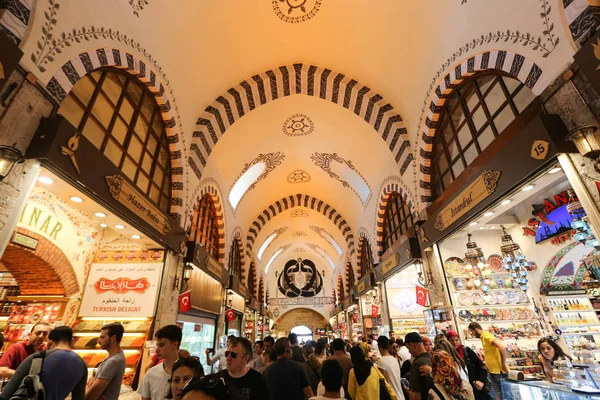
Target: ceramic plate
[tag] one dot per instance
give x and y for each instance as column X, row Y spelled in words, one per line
column 465, row 299
column 513, row 297
column 478, row 299
column 490, row 298
column 506, row 315
column 454, row 266
column 501, row 298
column 459, row 283
column 495, row 261
column 523, row 297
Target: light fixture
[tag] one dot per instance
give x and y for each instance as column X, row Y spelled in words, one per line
column 492, row 227
column 76, row 199
column 473, row 223
column 506, row 202
column 103, row 225
column 527, row 188
column 187, row 274
column 554, row 170
column 46, row 180
column 135, row 236
column 587, row 141
column 488, row 214
column 118, row 226
column 424, row 277
column 9, row 156
column 100, row 214
column 482, row 227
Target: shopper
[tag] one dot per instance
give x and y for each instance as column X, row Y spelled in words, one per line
column 210, row 387
column 495, row 358
column 286, row 378
column 106, row 381
column 155, row 384
column 419, row 385
column 320, row 353
column 447, row 383
column 16, row 353
column 155, row 361
column 363, row 381
column 550, row 352
column 242, row 382
column 63, row 371
column 268, row 344
column 296, row 350
column 311, row 366
column 256, row 360
column 388, row 365
column 403, row 352
column 219, row 356
column 365, row 347
column 339, row 354
column 428, row 344
column 476, row 369
column 184, row 369
column 332, row 375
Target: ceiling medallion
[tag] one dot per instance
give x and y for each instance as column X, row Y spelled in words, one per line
column 296, row 11
column 299, row 234
column 298, row 125
column 298, row 176
column 299, row 213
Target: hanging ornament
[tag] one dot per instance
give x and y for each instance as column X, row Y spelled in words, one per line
column 514, row 262
column 584, row 234
column 477, row 266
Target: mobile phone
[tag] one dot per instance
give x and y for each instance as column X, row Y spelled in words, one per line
column 405, row 382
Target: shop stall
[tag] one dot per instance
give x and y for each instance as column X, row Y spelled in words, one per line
column 353, row 318
column 342, row 323
column 334, row 325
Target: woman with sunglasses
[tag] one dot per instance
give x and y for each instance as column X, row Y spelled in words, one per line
column 184, row 370
column 210, row 387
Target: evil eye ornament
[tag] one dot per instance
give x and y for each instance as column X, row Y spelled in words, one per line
column 581, row 236
column 578, row 223
column 485, row 288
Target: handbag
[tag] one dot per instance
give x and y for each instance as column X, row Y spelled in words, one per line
column 383, row 392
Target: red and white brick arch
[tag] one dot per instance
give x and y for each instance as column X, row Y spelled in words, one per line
column 363, row 240
column 384, row 195
column 77, row 67
column 215, row 194
column 516, row 65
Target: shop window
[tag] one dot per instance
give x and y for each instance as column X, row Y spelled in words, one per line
column 366, row 257
column 120, row 116
column 349, row 277
column 205, row 226
column 474, row 114
column 397, row 220
column 235, row 260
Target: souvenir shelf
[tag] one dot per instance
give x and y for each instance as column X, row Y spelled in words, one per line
column 8, row 287
column 24, row 315
column 524, row 359
column 86, row 332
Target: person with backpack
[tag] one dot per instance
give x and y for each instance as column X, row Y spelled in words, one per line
column 60, row 371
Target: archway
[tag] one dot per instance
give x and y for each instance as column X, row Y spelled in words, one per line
column 311, row 319
column 303, row 332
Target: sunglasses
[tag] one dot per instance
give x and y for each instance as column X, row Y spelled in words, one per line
column 204, row 382
column 233, row 354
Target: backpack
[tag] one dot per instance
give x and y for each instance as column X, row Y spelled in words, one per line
column 31, row 387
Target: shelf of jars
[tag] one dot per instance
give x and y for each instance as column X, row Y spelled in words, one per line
column 574, row 315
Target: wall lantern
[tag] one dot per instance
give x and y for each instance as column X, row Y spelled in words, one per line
column 424, row 276
column 587, row 141
column 9, row 156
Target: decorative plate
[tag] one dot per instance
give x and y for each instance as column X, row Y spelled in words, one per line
column 465, row 315
column 513, row 297
column 490, row 298
column 523, row 297
column 501, row 298
column 454, row 266
column 495, row 262
column 529, row 314
column 478, row 299
column 459, row 283
column 465, row 299
column 506, row 314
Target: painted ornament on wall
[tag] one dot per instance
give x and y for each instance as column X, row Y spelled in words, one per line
column 298, row 125
column 300, row 278
column 296, row 11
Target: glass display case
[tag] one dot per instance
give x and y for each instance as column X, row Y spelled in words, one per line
column 541, row 390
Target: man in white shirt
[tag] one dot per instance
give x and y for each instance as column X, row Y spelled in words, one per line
column 331, row 378
column 155, row 385
column 389, row 367
column 219, row 356
column 403, row 352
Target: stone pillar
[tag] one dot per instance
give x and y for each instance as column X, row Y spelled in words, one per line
column 438, row 295
column 168, row 296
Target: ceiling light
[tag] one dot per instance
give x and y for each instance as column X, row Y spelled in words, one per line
column 473, row 223
column 506, row 202
column 488, row 214
column 46, row 180
column 135, row 236
column 118, row 226
column 554, row 170
column 103, row 225
column 100, row 214
column 76, row 199
column 492, row 227
column 482, row 227
column 527, row 188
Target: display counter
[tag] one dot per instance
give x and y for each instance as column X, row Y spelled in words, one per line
column 540, row 390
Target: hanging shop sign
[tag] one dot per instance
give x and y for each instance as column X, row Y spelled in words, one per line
column 122, row 284
column 492, row 176
column 199, row 257
column 401, row 256
column 365, row 284
column 235, row 285
column 10, row 55
column 588, row 60
column 347, row 303
column 24, row 240
column 74, row 158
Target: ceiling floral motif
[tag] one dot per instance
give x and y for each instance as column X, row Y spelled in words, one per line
column 298, row 176
column 299, row 213
column 298, row 125
column 296, row 11
column 299, row 234
column 323, row 161
column 138, row 5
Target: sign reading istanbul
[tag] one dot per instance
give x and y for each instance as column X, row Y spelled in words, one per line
column 474, row 194
column 122, row 284
column 130, row 197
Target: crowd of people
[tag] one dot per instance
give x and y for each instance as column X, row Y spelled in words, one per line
column 413, row 368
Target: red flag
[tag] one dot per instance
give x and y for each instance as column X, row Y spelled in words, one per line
column 185, row 302
column 374, row 310
column 355, row 318
column 230, row 315
column 422, row 296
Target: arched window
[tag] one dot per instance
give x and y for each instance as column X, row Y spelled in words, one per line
column 341, row 291
column 474, row 114
column 366, row 257
column 205, row 226
column 120, row 116
column 349, row 277
column 397, row 220
column 235, row 261
column 252, row 279
column 261, row 290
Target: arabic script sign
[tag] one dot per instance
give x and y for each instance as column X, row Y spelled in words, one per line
column 122, row 284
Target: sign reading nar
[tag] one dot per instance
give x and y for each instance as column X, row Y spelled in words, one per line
column 122, row 284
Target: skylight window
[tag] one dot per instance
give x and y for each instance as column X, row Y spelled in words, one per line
column 244, row 182
column 332, row 242
column 353, row 178
column 266, row 244
column 273, row 257
column 324, row 254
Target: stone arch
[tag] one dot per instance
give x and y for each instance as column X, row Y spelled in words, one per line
column 291, row 80
column 261, row 291
column 516, row 65
column 15, row 17
column 363, row 237
column 237, row 237
column 47, row 260
column 384, row 195
column 300, row 316
column 213, row 192
column 298, row 200
column 340, row 288
column 578, row 17
column 77, row 67
column 252, row 284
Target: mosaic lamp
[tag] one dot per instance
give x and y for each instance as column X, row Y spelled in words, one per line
column 584, row 234
column 479, row 270
column 514, row 262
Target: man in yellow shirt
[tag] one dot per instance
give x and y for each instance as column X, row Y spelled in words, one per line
column 495, row 358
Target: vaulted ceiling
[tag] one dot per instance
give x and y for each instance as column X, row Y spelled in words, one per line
column 334, row 96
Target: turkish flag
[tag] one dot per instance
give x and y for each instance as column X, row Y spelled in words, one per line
column 374, row 310
column 185, row 302
column 422, row 294
column 355, row 318
column 230, row 315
